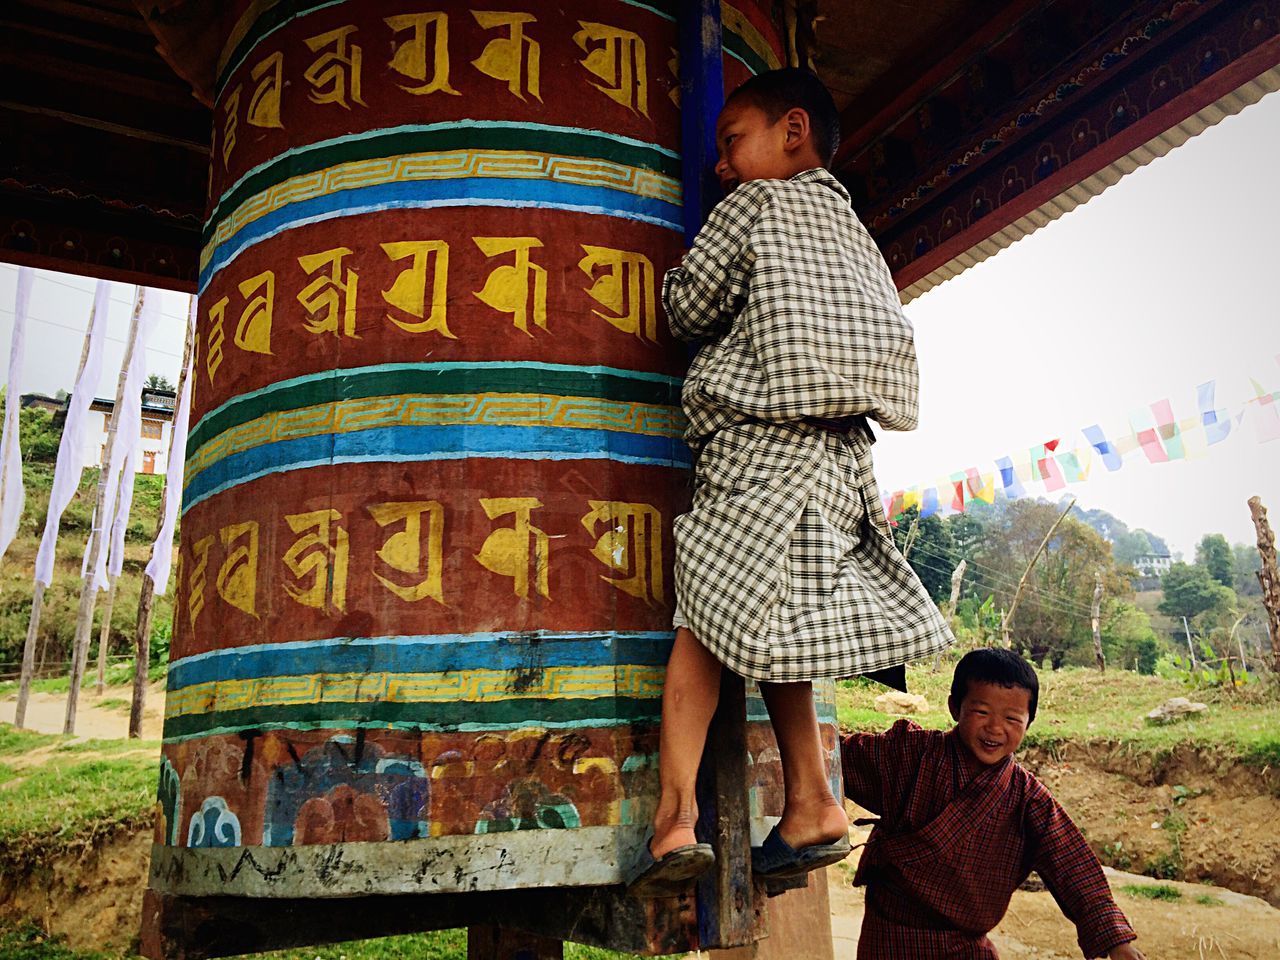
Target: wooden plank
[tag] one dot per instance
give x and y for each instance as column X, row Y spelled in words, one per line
column 462, row 863
column 727, row 908
column 195, row 928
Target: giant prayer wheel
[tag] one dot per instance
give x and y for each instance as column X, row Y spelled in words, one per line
column 425, row 578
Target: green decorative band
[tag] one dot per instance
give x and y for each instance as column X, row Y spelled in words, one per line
column 445, row 165
column 745, row 43
column 550, row 146
column 568, row 712
column 645, row 393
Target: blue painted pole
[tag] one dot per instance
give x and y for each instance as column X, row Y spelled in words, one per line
column 701, row 97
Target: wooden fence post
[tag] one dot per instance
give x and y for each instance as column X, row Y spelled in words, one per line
column 1268, row 576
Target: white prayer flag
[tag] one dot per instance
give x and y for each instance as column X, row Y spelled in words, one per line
column 12, row 494
column 66, row 473
column 122, row 457
column 162, row 553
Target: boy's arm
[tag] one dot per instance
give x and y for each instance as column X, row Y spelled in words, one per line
column 869, row 761
column 1075, row 878
column 708, row 288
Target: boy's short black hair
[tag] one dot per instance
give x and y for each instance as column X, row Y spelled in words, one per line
column 777, row 91
column 1004, row 668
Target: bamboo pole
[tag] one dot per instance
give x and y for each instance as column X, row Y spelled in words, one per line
column 957, row 575
column 1268, row 576
column 1006, row 621
column 104, row 636
column 1095, row 621
column 88, row 593
column 146, row 600
column 37, row 597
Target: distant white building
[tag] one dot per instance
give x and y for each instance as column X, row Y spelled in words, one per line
column 1153, row 564
column 157, row 422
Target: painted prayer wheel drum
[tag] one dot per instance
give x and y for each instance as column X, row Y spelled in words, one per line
column 425, row 583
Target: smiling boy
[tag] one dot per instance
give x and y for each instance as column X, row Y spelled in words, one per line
column 962, row 824
column 784, row 571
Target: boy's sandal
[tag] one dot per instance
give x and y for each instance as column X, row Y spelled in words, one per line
column 670, row 875
column 776, row 858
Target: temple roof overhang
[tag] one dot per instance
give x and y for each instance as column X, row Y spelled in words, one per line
column 966, row 124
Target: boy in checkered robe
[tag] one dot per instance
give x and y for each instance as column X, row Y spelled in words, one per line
column 785, row 569
column 962, row 824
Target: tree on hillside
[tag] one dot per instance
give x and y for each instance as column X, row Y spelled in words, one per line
column 1053, row 615
column 157, row 381
column 37, row 438
column 1214, row 554
column 1189, row 591
column 1245, row 564
column 932, row 554
column 1128, row 639
column 1126, row 545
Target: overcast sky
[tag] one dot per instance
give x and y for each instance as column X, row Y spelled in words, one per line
column 1165, row 281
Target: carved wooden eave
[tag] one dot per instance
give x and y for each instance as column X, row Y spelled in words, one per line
column 967, row 124
column 1016, row 120
column 105, row 151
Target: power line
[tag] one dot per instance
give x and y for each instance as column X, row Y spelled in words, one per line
column 1001, row 577
column 1046, row 596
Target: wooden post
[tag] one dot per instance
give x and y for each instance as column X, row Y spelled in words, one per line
column 104, row 637
column 726, row 917
column 912, row 531
column 1268, row 575
column 799, row 926
column 1186, row 628
column 88, row 593
column 1007, row 619
column 725, row 897
column 1095, row 620
column 701, row 98
column 957, row 576
column 37, row 598
column 28, row 656
column 147, row 595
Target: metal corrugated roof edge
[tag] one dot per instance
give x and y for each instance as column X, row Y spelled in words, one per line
column 1229, row 105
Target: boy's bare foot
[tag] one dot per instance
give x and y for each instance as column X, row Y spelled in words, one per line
column 804, row 824
column 672, row 832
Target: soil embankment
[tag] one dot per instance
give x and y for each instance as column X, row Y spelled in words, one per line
column 1188, row 815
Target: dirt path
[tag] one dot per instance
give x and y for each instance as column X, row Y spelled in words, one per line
column 46, row 712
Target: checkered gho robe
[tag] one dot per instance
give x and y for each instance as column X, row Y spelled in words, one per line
column 954, row 842
column 785, row 568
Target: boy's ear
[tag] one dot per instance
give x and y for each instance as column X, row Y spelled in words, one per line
column 797, row 128
column 954, row 707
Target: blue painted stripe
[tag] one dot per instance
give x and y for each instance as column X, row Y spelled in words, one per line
column 422, row 654
column 424, row 128
column 428, row 194
column 446, row 442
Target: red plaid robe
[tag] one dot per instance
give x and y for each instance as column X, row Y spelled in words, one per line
column 955, row 840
